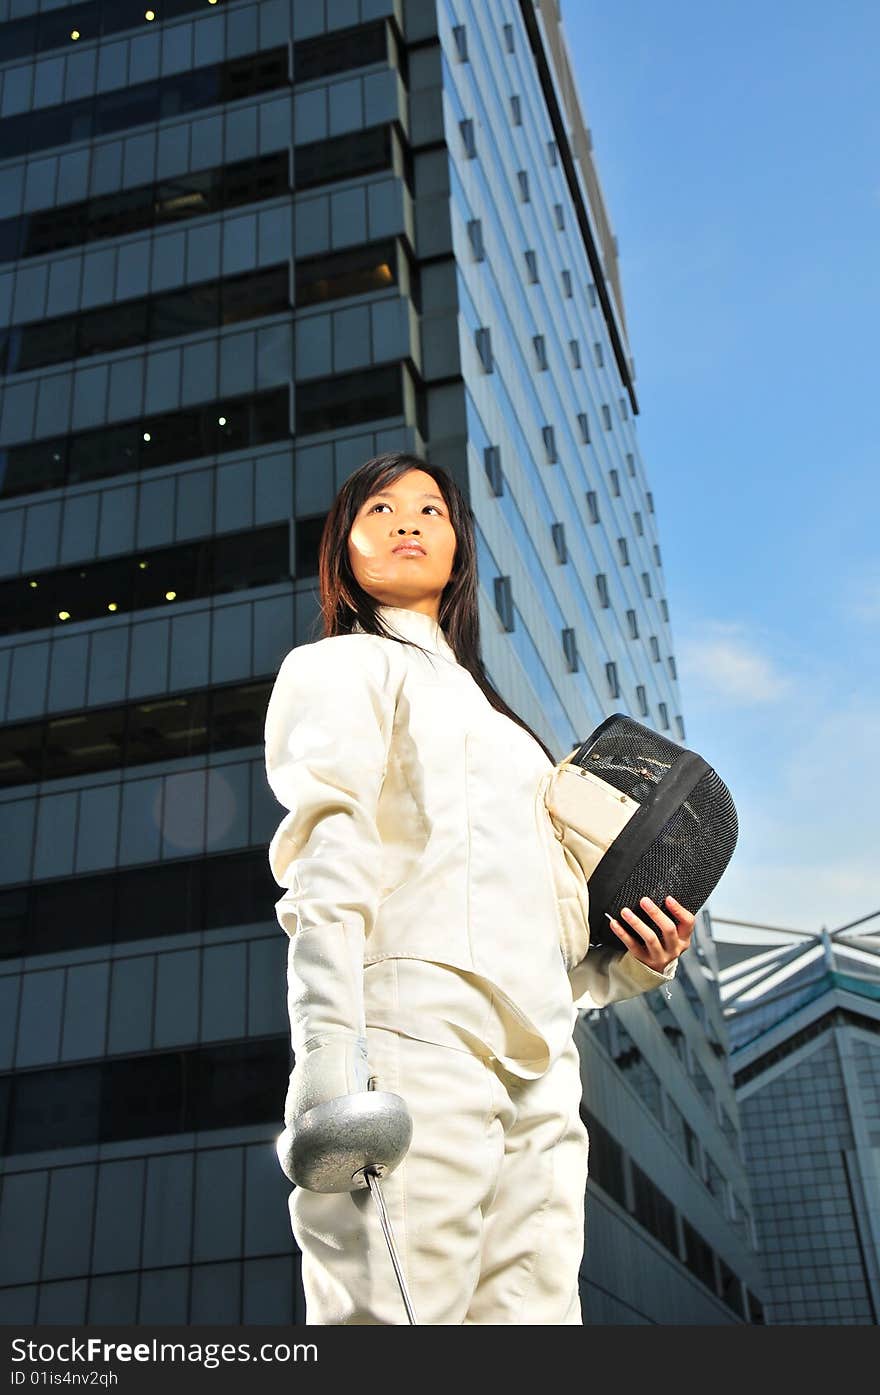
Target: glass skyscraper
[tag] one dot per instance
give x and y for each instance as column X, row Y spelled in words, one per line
column 244, row 247
column 804, row 1016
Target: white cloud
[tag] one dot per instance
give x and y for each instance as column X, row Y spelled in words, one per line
column 727, row 664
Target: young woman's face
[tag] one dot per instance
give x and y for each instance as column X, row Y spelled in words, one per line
column 411, row 508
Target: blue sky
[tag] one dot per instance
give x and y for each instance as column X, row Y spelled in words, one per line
column 738, row 148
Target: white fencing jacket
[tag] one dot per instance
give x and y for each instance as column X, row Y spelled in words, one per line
column 416, row 809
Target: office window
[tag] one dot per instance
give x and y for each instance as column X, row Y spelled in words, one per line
column 569, row 648
column 673, row 671
column 629, row 1059
column 731, row 1289
column 158, row 1093
column 646, row 584
column 607, row 1158
column 599, row 356
column 557, row 531
column 614, row 481
column 623, row 549
column 339, row 51
column 144, row 103
column 639, row 526
column 459, row 34
column 483, row 340
column 552, row 153
column 622, row 404
column 347, row 399
column 523, row 178
column 574, row 349
column 650, row 500
column 342, row 157
column 508, row 37
column 642, row 700
column 699, row 1256
column 110, row 327
column 492, row 466
column 584, row 425
column 653, row 1210
column 613, row 684
column 540, row 352
column 602, row 589
column 559, row 215
column 549, row 437
column 657, row 558
column 475, row 234
column 630, row 463
column 504, row 602
column 592, row 506
column 566, row 285
column 680, row 727
column 654, row 645
column 210, row 567
column 171, row 898
column 664, row 609
column 467, row 135
column 632, row 622
column 151, row 205
column 532, row 267
column 145, row 443
column 136, row 733
column 591, row 293
column 664, row 715
column 515, row 111
column 606, row 416
column 358, row 270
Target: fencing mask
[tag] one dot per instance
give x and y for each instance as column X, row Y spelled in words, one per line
column 642, row 816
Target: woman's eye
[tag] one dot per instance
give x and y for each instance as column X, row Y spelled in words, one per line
column 387, row 506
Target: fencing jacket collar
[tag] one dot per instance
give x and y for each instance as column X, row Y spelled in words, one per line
column 415, row 625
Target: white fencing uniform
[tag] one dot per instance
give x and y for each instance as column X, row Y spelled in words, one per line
column 416, row 810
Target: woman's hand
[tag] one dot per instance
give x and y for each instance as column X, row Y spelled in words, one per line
column 659, row 947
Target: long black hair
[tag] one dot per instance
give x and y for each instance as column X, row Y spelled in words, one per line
column 344, row 601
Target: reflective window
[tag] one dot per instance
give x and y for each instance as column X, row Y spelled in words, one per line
column 699, row 1256
column 171, row 898
column 203, row 306
column 653, row 1210
column 156, row 729
column 230, row 424
column 144, row 103
column 342, row 157
column 163, row 1092
column 371, row 394
column 606, row 1158
column 339, row 51
column 212, row 567
column 356, row 271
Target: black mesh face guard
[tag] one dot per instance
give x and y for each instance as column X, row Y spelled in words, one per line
column 680, row 840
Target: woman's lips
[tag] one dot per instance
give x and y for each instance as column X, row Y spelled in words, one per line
column 410, row 547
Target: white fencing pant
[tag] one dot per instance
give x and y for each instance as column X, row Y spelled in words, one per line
column 487, row 1207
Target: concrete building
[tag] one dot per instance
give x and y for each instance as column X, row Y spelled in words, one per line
column 804, row 1015
column 244, row 247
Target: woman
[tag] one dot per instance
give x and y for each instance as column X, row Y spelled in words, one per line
column 433, row 926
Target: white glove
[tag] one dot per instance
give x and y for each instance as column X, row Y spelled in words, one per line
column 325, row 1002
